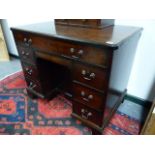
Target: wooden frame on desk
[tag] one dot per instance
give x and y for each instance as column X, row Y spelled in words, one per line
column 149, row 125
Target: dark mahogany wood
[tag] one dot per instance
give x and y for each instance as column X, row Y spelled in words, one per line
column 88, row 23
column 88, row 114
column 88, row 97
column 68, row 49
column 78, row 61
column 90, row 75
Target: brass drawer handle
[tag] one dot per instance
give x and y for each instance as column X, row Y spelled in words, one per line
column 29, row 71
column 85, row 114
column 88, row 98
column 75, row 57
column 72, row 50
column 87, row 75
column 27, row 42
column 78, row 54
column 25, row 53
column 32, row 85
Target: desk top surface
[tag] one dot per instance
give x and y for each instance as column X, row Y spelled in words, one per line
column 111, row 36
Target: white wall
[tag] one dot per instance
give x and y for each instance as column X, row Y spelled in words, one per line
column 17, row 22
column 142, row 78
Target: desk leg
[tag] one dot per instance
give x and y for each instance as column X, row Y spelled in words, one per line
column 95, row 132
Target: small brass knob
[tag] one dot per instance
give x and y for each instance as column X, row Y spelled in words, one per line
column 92, row 75
column 90, row 97
column 83, row 72
column 30, row 41
column 82, row 110
column 89, row 114
column 72, row 50
column 23, row 52
column 82, row 93
column 25, row 40
column 80, row 52
column 27, row 54
column 26, row 68
column 31, row 84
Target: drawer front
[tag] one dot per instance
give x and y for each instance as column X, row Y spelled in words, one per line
column 88, row 97
column 86, row 53
column 87, row 113
column 26, row 54
column 92, row 76
column 33, row 85
column 30, row 71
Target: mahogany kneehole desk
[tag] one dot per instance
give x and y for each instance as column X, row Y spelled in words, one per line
column 90, row 66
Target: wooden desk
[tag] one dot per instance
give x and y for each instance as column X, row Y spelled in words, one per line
column 90, row 66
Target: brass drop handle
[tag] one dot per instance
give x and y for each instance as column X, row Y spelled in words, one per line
column 72, row 50
column 30, row 41
column 80, row 52
column 87, row 75
column 25, row 53
column 85, row 97
column 31, row 85
column 29, row 71
column 85, row 114
column 27, row 42
column 76, row 55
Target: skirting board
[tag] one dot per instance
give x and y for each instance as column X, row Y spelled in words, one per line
column 145, row 103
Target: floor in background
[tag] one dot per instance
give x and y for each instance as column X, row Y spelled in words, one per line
column 9, row 67
column 131, row 109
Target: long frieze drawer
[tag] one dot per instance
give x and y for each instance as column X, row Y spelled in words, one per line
column 87, row 113
column 86, row 53
column 26, row 54
column 30, row 71
column 88, row 96
column 33, row 85
column 92, row 76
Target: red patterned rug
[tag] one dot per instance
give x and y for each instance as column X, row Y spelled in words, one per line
column 21, row 115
